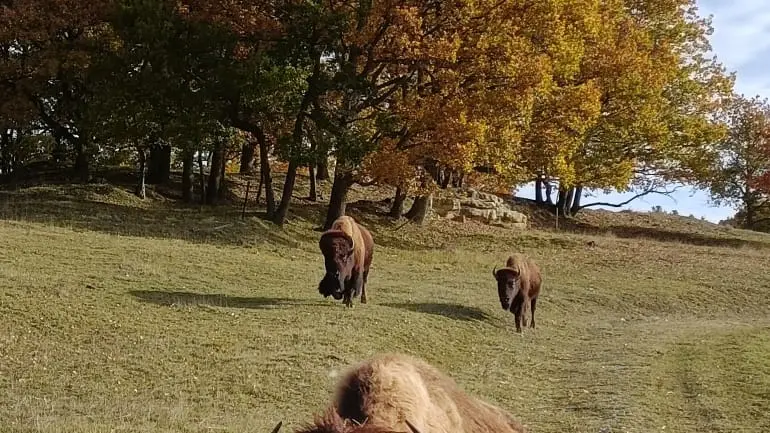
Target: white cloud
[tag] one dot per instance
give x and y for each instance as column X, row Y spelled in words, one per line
column 741, row 40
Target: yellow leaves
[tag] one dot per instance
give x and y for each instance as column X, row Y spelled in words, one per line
column 634, row 98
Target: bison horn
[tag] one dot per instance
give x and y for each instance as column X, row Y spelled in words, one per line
column 412, row 427
column 494, row 271
column 277, row 427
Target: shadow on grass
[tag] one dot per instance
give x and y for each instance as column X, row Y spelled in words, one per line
column 666, row 235
column 168, row 298
column 101, row 208
column 452, row 311
column 633, row 225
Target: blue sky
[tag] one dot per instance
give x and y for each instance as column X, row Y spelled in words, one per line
column 741, row 41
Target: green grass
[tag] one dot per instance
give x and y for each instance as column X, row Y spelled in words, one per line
column 128, row 316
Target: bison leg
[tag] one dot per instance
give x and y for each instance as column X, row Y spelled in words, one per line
column 517, row 315
column 532, row 306
column 346, row 300
column 517, row 319
column 524, row 305
column 357, row 286
column 363, row 287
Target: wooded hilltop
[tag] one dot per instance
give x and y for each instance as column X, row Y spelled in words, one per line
column 575, row 95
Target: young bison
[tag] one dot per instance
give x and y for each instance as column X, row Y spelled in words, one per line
column 347, row 249
column 518, row 285
column 398, row 393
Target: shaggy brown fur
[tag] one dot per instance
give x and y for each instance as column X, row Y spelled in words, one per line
column 518, row 286
column 348, row 248
column 385, row 393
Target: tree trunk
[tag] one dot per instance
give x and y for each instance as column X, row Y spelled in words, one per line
column 59, row 152
column 141, row 190
column 457, row 180
column 5, row 160
column 421, row 209
column 431, row 166
column 539, row 189
column 548, row 191
column 202, row 177
column 447, row 178
column 565, row 201
column 215, row 174
column 288, row 190
column 248, row 151
column 576, row 196
column 397, row 210
column 323, row 169
column 264, row 172
column 188, row 178
column 313, row 187
column 159, row 166
column 222, row 191
column 568, row 202
column 82, row 169
column 343, row 180
column 750, row 214
column 297, row 140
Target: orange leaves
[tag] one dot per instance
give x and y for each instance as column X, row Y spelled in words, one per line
column 246, row 18
column 391, row 166
column 37, row 20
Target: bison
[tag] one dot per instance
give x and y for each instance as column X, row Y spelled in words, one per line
column 347, row 248
column 398, row 393
column 518, row 285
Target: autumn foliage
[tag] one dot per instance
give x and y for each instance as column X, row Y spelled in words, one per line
column 416, row 94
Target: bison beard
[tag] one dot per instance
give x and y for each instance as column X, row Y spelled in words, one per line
column 331, row 286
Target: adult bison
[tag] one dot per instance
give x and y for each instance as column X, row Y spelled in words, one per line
column 518, row 285
column 399, row 393
column 347, row 248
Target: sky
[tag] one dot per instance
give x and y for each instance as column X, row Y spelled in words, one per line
column 741, row 41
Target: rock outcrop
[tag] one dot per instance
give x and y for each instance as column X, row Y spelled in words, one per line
column 479, row 206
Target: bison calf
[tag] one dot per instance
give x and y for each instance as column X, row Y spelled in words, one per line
column 399, row 393
column 518, row 285
column 347, row 248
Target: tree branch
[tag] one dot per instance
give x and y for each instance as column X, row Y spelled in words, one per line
column 665, row 192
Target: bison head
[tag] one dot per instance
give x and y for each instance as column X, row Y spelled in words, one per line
column 508, row 285
column 337, row 249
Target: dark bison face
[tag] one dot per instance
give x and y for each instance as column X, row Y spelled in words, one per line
column 338, row 260
column 508, row 285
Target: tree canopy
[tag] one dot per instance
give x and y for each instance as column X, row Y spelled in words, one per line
column 415, row 94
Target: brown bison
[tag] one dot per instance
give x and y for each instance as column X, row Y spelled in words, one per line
column 399, row 393
column 347, row 248
column 518, row 285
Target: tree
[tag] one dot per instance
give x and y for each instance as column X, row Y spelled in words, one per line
column 739, row 173
column 470, row 103
column 46, row 66
column 649, row 96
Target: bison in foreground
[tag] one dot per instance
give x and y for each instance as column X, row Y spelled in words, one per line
column 399, row 393
column 518, row 285
column 347, row 248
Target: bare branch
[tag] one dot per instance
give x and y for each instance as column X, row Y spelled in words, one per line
column 665, row 192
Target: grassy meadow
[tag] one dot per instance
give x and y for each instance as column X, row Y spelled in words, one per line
column 122, row 315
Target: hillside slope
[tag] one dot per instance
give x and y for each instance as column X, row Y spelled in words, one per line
column 134, row 316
